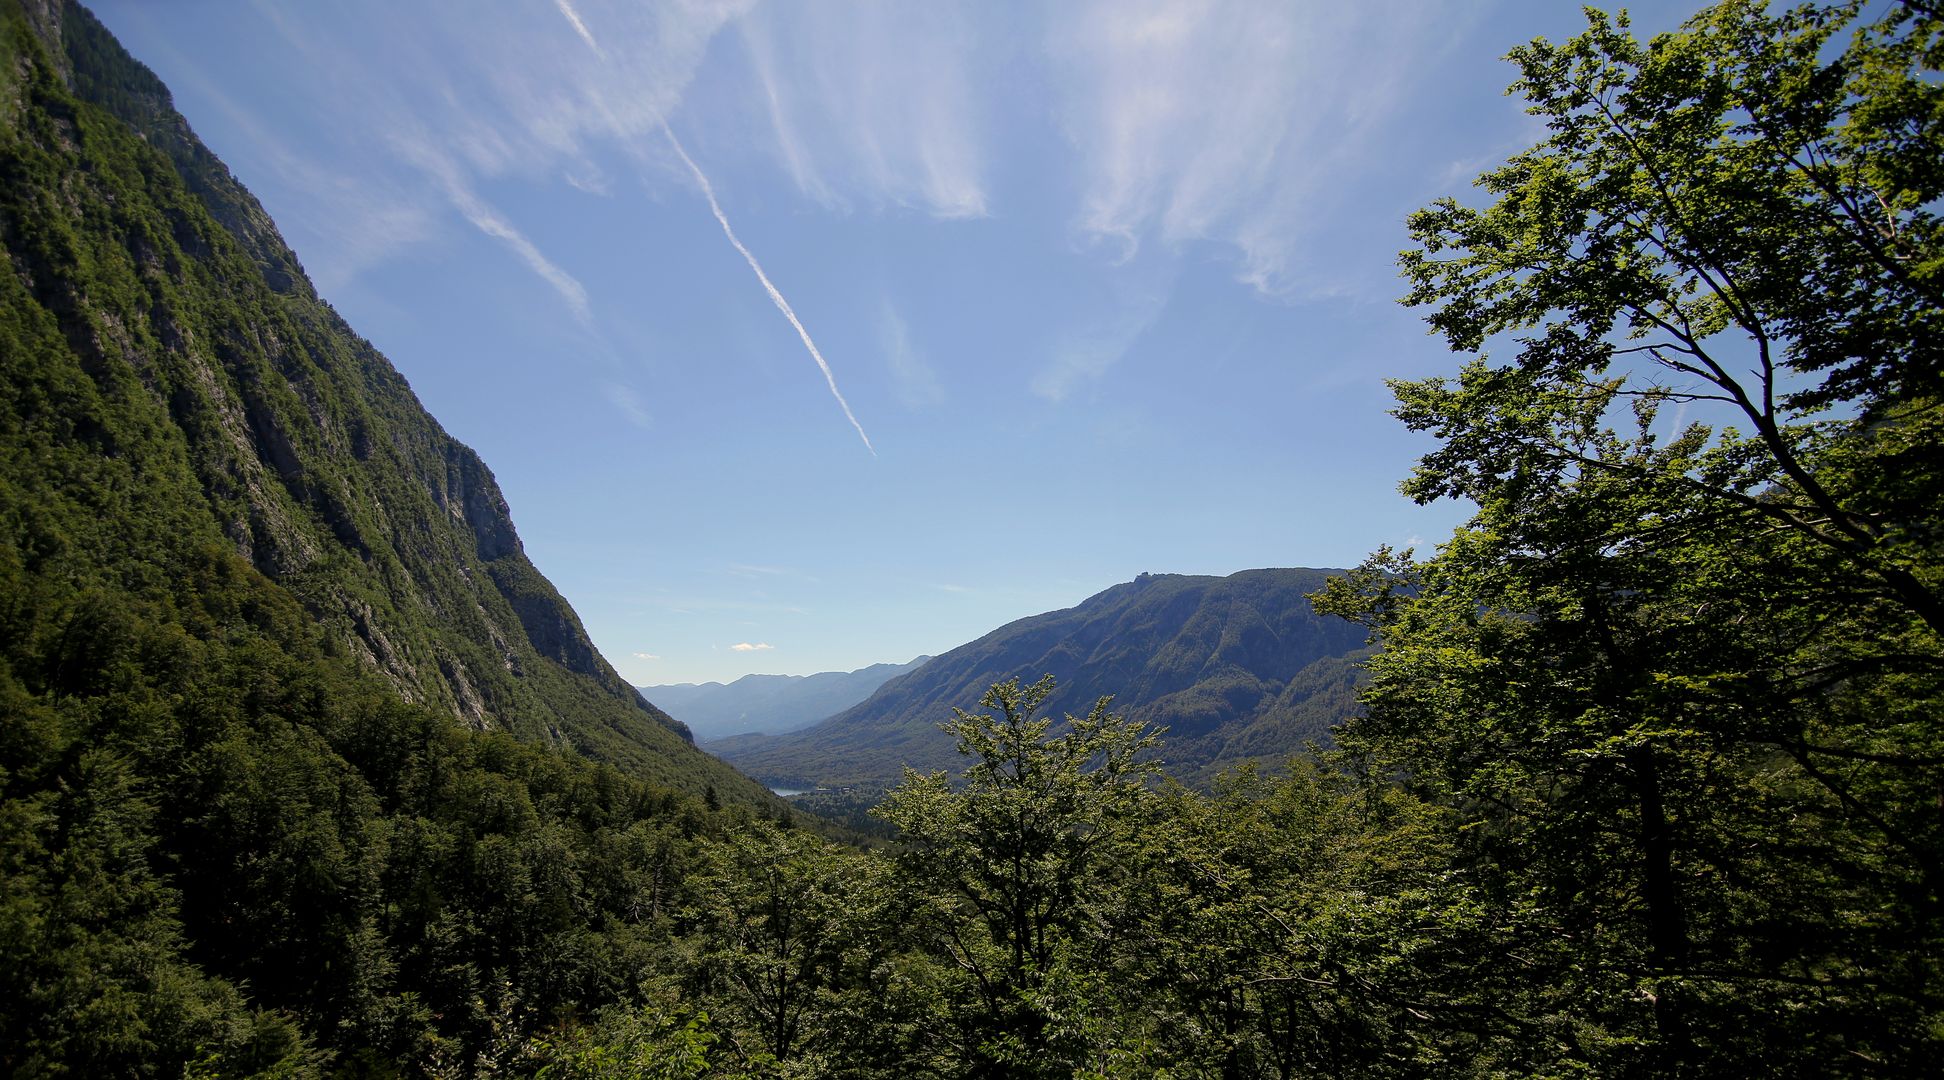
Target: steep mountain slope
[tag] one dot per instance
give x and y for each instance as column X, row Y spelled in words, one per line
column 174, row 383
column 286, row 785
column 770, row 704
column 1235, row 667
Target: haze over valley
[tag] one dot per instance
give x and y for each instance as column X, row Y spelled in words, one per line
column 770, row 704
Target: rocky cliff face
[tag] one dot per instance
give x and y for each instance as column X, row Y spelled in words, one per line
column 172, row 294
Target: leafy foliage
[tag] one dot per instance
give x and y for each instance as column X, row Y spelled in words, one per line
column 1011, row 867
column 304, row 770
column 1683, row 681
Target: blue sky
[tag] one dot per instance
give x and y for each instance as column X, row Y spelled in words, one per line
column 1100, row 288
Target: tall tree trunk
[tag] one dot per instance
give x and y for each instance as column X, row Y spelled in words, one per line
column 1667, row 935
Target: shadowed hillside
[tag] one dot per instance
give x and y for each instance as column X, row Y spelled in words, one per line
column 1234, row 667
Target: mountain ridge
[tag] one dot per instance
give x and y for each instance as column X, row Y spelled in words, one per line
column 769, row 704
column 150, row 282
column 300, row 757
column 1236, row 667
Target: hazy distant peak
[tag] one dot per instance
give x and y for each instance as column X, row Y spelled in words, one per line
column 771, row 704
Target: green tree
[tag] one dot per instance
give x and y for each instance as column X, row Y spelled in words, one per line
column 1724, row 216
column 1297, row 925
column 1015, row 873
column 1683, row 678
column 658, row 1041
column 770, row 925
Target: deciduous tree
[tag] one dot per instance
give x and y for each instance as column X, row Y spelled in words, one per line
column 1683, row 677
column 1017, row 869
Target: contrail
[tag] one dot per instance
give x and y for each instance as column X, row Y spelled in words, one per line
column 580, row 27
column 567, row 9
column 776, row 297
column 487, row 221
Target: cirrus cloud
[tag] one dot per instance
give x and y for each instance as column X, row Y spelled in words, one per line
column 1230, row 122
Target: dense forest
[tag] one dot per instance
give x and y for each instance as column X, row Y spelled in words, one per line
column 1648, row 780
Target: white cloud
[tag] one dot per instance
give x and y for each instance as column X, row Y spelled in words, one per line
column 344, row 222
column 877, row 97
column 1228, row 121
column 1082, row 358
column 433, row 92
column 874, row 102
column 744, row 646
column 580, row 27
column 1085, row 353
column 488, row 221
column 687, row 605
column 628, row 402
column 588, row 177
column 915, row 379
column 646, row 656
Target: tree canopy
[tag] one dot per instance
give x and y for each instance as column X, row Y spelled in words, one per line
column 1681, row 669
column 1646, row 782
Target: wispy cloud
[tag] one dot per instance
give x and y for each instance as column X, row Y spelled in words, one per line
column 573, row 17
column 462, row 101
column 1085, row 356
column 916, row 381
column 744, row 646
column 646, row 656
column 1086, row 352
column 776, row 297
column 1228, row 121
column 876, row 103
column 488, row 221
column 689, row 605
column 628, row 402
column 344, row 222
column 587, row 177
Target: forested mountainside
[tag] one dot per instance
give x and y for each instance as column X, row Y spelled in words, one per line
column 1235, row 668
column 1643, row 781
column 299, row 755
column 176, row 385
column 770, row 704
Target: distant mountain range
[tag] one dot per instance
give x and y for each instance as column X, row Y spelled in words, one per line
column 1236, row 668
column 770, row 704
